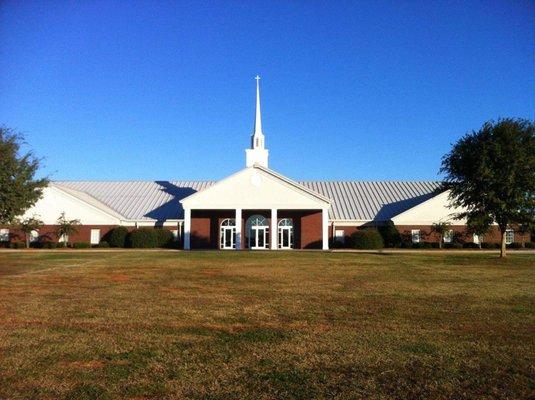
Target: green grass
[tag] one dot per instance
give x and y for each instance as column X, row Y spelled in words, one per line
column 301, row 325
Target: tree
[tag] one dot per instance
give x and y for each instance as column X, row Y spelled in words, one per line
column 19, row 189
column 478, row 224
column 524, row 229
column 28, row 225
column 491, row 173
column 440, row 228
column 66, row 227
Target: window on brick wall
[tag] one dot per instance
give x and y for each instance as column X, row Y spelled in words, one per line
column 339, row 235
column 509, row 236
column 415, row 235
column 4, row 235
column 448, row 236
column 34, row 236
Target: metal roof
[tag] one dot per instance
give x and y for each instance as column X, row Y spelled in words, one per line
column 352, row 200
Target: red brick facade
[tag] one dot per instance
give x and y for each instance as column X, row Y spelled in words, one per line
column 205, row 225
column 46, row 233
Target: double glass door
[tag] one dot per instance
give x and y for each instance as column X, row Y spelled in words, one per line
column 258, row 237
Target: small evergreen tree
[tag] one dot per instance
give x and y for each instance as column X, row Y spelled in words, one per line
column 440, row 228
column 28, row 225
column 66, row 227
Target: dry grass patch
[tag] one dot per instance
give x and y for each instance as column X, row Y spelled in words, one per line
column 209, row 325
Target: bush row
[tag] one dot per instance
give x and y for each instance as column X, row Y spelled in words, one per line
column 140, row 238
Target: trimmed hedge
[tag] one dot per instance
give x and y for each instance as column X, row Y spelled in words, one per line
column 515, row 245
column 103, row 244
column 142, row 238
column 367, row 239
column 164, row 237
column 81, row 245
column 117, row 236
column 390, row 234
column 470, row 245
column 486, row 245
column 530, row 245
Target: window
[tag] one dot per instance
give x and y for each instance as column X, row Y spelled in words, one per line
column 448, row 236
column 175, row 234
column 339, row 235
column 415, row 235
column 63, row 238
column 509, row 236
column 285, row 232
column 478, row 238
column 4, row 235
column 95, row 236
column 34, row 236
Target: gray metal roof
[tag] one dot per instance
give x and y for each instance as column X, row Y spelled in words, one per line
column 352, row 200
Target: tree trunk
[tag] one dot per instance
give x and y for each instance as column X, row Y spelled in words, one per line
column 27, row 236
column 503, row 249
column 440, row 241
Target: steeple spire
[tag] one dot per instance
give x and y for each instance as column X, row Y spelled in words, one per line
column 257, row 154
column 258, row 118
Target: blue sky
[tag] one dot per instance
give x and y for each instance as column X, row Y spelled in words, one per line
column 351, row 90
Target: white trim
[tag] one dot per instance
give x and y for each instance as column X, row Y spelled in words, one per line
column 274, row 229
column 187, row 229
column 238, row 244
column 325, row 228
column 289, row 183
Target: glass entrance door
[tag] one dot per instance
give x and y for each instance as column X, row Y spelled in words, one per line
column 227, row 234
column 285, row 233
column 257, row 231
column 258, row 238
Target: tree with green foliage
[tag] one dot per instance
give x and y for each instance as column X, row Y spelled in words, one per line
column 478, row 224
column 440, row 228
column 28, row 225
column 390, row 234
column 66, row 227
column 19, row 189
column 491, row 174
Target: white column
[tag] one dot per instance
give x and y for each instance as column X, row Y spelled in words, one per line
column 238, row 228
column 274, row 229
column 325, row 228
column 187, row 229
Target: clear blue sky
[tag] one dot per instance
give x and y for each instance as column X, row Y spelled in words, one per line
column 351, row 90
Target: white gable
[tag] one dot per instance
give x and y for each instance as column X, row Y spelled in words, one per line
column 256, row 188
column 55, row 201
column 436, row 209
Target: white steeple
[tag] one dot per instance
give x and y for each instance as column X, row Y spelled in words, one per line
column 257, row 154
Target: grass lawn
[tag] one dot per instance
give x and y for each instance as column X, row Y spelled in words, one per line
column 211, row 325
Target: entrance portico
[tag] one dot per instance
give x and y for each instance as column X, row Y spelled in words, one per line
column 256, row 209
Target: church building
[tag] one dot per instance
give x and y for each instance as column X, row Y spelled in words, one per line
column 254, row 208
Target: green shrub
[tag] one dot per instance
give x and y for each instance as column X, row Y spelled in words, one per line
column 164, row 237
column 390, row 235
column 49, row 245
column 117, row 237
column 515, row 245
column 424, row 245
column 530, row 245
column 17, row 245
column 103, row 245
column 470, row 245
column 81, row 245
column 486, row 245
column 367, row 239
column 143, row 238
